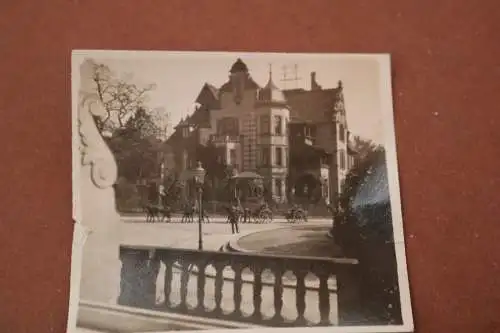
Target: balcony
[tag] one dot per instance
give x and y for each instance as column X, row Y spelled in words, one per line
column 214, row 285
column 224, row 139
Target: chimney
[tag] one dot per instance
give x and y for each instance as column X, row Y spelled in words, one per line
column 314, row 84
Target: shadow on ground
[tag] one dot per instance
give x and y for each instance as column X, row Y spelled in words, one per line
column 298, row 241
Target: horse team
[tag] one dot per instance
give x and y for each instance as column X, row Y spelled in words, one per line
column 235, row 214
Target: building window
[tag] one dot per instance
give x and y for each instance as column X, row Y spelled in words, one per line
column 278, row 125
column 341, row 132
column 185, row 132
column 228, row 126
column 264, row 156
column 185, row 160
column 278, row 183
column 279, row 156
column 342, row 160
column 264, row 124
column 285, row 156
column 232, row 157
column 307, row 131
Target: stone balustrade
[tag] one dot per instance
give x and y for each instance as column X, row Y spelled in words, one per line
column 141, row 266
column 220, row 138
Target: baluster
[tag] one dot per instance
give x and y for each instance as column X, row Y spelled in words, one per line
column 219, row 283
column 300, row 296
column 238, row 284
column 151, row 269
column 201, row 288
column 168, row 282
column 324, row 299
column 184, row 285
column 278, row 295
column 127, row 278
column 257, row 293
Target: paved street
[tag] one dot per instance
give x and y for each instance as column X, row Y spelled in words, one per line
column 135, row 231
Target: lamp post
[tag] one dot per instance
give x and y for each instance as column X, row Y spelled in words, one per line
column 160, row 186
column 198, row 179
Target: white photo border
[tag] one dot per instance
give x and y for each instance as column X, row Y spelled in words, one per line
column 384, row 60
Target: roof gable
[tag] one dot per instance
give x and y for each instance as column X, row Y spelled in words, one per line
column 209, row 95
column 311, row 105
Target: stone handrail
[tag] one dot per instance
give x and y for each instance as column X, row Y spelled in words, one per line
column 140, row 268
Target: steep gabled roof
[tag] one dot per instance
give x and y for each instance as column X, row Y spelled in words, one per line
column 200, row 117
column 248, row 85
column 212, row 89
column 271, row 94
column 239, row 66
column 311, row 104
column 209, row 94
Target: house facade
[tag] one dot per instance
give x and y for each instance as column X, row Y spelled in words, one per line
column 297, row 140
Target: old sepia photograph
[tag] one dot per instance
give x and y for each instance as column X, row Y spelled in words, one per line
column 222, row 190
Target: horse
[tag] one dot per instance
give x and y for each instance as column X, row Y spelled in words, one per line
column 151, row 212
column 188, row 214
column 166, row 213
column 157, row 212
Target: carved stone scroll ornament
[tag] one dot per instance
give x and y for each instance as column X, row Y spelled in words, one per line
column 94, row 151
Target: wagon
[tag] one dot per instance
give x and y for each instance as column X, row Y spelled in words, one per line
column 296, row 214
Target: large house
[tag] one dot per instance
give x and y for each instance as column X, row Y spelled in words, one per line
column 297, row 140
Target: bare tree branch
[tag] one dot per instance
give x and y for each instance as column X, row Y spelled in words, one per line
column 121, row 99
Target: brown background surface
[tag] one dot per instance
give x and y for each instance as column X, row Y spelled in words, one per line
column 446, row 65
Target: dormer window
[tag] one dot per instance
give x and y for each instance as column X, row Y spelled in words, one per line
column 185, row 132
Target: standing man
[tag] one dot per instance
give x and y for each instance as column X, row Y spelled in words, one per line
column 234, row 216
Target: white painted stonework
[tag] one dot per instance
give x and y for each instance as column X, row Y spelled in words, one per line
column 96, row 201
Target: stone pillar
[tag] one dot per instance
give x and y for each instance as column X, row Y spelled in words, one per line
column 95, row 200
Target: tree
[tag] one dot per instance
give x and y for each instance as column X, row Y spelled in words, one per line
column 121, row 99
column 136, row 148
column 363, row 147
column 142, row 124
column 356, row 175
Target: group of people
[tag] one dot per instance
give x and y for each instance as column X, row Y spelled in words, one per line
column 234, row 214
